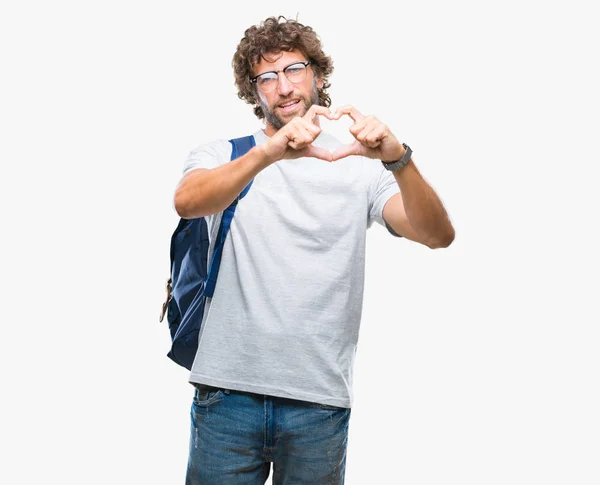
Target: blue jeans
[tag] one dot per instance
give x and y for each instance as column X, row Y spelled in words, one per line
column 236, row 435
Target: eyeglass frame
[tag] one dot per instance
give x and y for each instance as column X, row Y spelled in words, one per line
column 305, row 63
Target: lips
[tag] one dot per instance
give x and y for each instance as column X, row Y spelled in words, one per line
column 289, row 107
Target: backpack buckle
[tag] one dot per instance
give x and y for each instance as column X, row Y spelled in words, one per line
column 165, row 305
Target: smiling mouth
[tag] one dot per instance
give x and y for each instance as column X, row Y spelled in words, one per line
column 289, row 106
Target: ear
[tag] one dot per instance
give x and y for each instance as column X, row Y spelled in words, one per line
column 320, row 83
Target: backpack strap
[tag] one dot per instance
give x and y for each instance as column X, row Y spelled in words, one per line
column 240, row 146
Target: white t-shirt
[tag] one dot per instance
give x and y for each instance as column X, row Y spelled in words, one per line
column 285, row 316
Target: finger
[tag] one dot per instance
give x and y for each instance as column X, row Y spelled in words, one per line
column 317, row 152
column 376, row 136
column 311, row 127
column 299, row 137
column 315, row 110
column 371, row 136
column 350, row 111
column 345, row 151
column 359, row 126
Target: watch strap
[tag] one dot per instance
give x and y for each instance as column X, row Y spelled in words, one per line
column 398, row 164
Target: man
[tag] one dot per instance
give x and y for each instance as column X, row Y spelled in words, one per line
column 273, row 372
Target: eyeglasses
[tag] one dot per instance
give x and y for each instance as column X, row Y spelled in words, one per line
column 268, row 81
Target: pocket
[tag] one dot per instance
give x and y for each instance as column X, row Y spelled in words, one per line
column 336, row 413
column 206, row 395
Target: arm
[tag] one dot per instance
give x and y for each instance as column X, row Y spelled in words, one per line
column 416, row 212
column 203, row 192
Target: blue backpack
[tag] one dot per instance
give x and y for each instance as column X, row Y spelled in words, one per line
column 190, row 281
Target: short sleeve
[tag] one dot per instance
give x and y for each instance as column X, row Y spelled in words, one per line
column 210, row 155
column 383, row 187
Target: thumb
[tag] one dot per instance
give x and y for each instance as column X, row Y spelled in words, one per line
column 342, row 152
column 317, row 152
column 355, row 148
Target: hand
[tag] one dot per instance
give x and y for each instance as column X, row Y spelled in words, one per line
column 373, row 138
column 294, row 140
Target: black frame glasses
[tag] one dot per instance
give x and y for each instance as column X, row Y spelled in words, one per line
column 255, row 78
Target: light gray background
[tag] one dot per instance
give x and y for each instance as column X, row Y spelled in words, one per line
column 477, row 364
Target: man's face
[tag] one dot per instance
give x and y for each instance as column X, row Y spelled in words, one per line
column 305, row 92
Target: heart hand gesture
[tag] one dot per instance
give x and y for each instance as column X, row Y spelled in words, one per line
column 373, row 138
column 294, row 140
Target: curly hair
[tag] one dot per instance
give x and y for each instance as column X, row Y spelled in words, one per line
column 273, row 36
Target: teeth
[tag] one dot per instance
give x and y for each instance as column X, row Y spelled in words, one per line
column 288, row 104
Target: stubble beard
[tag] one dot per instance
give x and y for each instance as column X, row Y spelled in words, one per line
column 276, row 121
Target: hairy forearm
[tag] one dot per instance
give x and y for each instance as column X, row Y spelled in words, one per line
column 423, row 207
column 205, row 192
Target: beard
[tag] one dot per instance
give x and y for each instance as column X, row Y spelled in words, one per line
column 275, row 120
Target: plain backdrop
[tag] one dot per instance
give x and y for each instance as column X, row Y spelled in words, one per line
column 476, row 364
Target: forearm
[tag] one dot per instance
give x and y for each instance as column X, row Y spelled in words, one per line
column 423, row 207
column 205, row 192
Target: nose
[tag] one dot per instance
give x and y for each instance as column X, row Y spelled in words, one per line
column 285, row 87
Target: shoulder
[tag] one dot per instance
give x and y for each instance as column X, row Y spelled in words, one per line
column 215, row 148
column 208, row 155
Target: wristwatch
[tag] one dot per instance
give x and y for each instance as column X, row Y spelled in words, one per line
column 398, row 164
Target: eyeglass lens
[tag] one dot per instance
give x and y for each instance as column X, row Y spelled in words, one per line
column 269, row 80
